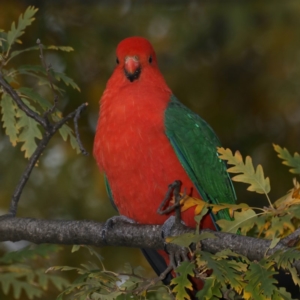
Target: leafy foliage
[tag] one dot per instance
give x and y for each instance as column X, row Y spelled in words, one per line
column 233, row 275
column 18, row 126
column 95, row 282
column 19, row 272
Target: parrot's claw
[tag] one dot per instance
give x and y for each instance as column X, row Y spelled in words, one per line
column 112, row 221
column 169, row 224
column 176, row 253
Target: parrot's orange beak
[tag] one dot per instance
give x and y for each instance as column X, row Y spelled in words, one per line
column 132, row 67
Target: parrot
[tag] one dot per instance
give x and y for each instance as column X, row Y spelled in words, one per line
column 146, row 139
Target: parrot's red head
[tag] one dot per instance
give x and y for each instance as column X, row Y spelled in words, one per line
column 133, row 55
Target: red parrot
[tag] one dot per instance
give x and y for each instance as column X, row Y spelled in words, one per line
column 146, row 139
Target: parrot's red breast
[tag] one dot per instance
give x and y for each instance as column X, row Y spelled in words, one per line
column 131, row 146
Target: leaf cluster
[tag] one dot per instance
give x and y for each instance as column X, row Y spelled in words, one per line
column 20, row 271
column 19, row 127
column 97, row 283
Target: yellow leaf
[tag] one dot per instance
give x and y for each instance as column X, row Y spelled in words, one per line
column 258, row 183
column 188, row 202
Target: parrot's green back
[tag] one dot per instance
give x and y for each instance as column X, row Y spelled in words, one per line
column 195, row 144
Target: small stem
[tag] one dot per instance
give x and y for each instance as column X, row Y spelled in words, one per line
column 25, row 176
column 50, row 79
column 76, row 118
column 29, row 112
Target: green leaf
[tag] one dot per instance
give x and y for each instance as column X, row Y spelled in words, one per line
column 29, row 252
column 244, row 220
column 66, row 132
column 24, row 21
column 75, row 248
column 199, row 217
column 256, row 179
column 30, row 131
column 285, row 260
column 211, row 290
column 288, row 159
column 8, row 109
column 8, row 280
column 186, row 239
column 61, row 48
column 260, row 279
column 282, row 294
column 225, row 271
column 182, row 283
column 35, row 97
column 35, row 48
column 67, row 80
column 58, row 282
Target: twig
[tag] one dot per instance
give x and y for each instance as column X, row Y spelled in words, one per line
column 50, row 79
column 76, row 118
column 29, row 112
column 50, row 131
column 153, row 281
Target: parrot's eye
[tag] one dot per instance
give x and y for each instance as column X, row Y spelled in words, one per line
column 117, row 60
column 150, row 59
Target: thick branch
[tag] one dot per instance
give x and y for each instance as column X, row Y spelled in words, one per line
column 124, row 234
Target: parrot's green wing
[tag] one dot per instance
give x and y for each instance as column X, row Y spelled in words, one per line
column 195, row 144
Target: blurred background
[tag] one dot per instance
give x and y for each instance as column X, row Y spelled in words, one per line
column 235, row 63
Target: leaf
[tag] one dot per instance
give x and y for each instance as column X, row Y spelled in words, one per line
column 35, row 48
column 67, row 80
column 288, row 159
column 279, row 226
column 260, row 279
column 242, row 220
column 61, row 48
column 30, row 131
column 66, row 132
column 182, row 283
column 274, row 242
column 231, row 207
column 35, row 97
column 211, row 290
column 256, row 179
column 225, row 271
column 75, row 248
column 8, row 109
column 285, row 260
column 24, row 21
column 186, row 239
column 199, row 217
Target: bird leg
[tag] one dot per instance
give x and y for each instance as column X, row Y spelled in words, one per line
column 112, row 221
column 176, row 253
column 173, row 189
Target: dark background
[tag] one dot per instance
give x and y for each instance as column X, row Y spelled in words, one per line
column 235, row 63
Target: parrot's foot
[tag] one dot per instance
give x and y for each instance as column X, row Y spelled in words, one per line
column 173, row 190
column 112, row 221
column 177, row 254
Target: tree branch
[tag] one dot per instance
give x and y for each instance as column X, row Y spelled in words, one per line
column 125, row 234
column 50, row 130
